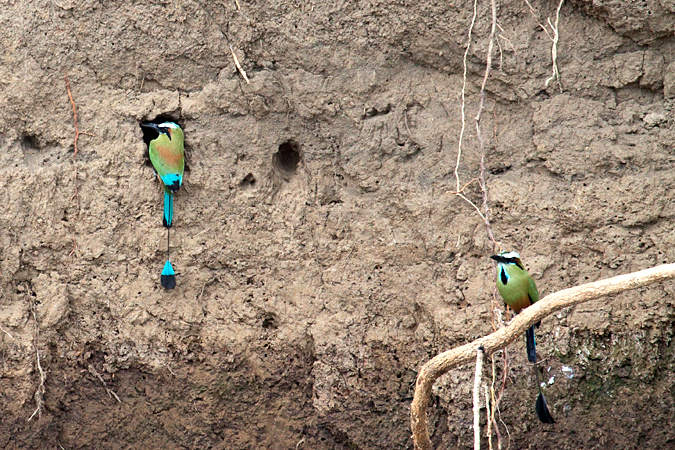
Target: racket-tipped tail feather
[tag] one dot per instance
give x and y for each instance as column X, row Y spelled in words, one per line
column 168, row 276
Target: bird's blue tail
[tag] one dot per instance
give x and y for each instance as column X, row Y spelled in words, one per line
column 531, row 345
column 168, row 209
column 168, row 276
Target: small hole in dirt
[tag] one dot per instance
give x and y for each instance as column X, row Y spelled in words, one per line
column 285, row 161
column 270, row 322
column 248, row 181
column 30, row 141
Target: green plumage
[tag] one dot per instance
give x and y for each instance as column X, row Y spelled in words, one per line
column 166, row 149
column 167, row 154
column 518, row 290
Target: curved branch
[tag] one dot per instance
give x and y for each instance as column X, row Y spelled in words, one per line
column 445, row 361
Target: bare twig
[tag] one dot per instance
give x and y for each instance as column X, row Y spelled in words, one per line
column 40, row 391
column 236, row 63
column 442, row 363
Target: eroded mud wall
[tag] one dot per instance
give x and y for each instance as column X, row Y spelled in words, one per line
column 309, row 294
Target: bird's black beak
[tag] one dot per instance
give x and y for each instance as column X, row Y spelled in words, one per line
column 498, row 258
column 150, row 132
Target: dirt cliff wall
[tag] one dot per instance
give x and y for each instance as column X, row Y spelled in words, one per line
column 310, row 294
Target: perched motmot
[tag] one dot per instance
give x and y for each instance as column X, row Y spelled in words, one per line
column 518, row 290
column 167, row 154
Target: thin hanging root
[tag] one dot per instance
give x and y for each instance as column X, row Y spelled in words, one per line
column 485, row 214
column 488, row 407
column 109, row 391
column 463, row 97
column 554, row 41
column 480, row 353
column 40, row 391
column 554, row 48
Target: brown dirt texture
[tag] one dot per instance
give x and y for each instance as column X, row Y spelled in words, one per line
column 322, row 254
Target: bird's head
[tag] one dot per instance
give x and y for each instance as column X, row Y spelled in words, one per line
column 507, row 258
column 152, row 131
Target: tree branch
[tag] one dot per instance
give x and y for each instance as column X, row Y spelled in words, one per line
column 445, row 361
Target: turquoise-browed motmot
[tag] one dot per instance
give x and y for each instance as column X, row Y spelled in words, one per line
column 166, row 149
column 518, row 290
column 167, row 154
